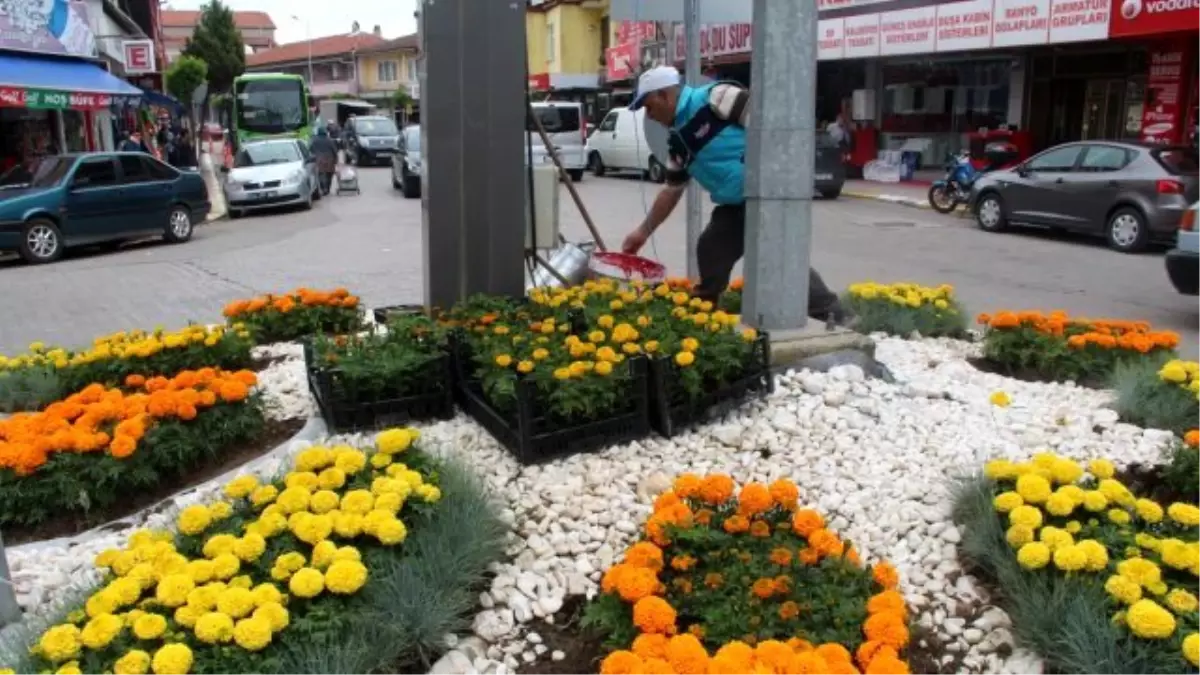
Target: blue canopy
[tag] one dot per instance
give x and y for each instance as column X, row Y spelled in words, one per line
column 155, row 98
column 70, row 76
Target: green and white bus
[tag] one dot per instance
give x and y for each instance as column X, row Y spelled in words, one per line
column 270, row 105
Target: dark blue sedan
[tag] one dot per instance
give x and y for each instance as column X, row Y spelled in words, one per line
column 96, row 198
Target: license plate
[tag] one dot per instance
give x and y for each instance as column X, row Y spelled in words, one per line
column 265, row 195
column 824, row 176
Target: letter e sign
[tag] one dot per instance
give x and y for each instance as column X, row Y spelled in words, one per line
column 139, row 56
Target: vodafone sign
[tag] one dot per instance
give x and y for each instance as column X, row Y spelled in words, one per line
column 1144, row 17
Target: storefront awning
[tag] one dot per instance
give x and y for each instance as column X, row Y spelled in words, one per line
column 28, row 81
column 162, row 100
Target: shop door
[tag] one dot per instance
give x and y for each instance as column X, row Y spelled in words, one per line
column 1104, row 110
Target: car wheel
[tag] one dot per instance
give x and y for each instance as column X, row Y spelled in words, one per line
column 316, row 190
column 1127, row 230
column 832, row 193
column 395, row 183
column 234, row 214
column 179, row 225
column 989, row 213
column 596, row 164
column 308, row 202
column 41, row 242
column 657, row 173
column 575, row 174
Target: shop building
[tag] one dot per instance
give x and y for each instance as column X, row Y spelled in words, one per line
column 56, row 93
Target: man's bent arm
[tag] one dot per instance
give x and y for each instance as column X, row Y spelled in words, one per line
column 662, row 207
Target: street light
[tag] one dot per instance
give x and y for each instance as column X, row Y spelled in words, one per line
column 308, row 39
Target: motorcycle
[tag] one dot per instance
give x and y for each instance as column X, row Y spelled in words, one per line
column 945, row 195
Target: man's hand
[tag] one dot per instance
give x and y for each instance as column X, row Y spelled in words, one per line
column 634, row 241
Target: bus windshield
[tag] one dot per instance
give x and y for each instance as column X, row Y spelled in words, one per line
column 271, row 106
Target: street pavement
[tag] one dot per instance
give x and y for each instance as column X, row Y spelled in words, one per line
column 372, row 245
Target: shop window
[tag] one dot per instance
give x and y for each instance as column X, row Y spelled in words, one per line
column 945, row 97
column 133, row 170
column 1057, row 160
column 95, row 173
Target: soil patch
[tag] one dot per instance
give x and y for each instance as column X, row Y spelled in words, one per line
column 274, row 433
column 584, row 649
column 1146, row 480
column 1027, row 375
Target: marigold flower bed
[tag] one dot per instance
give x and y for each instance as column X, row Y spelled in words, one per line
column 902, row 308
column 1133, row 560
column 94, row 447
column 747, row 583
column 296, row 314
column 1057, row 347
column 1159, row 397
column 248, row 579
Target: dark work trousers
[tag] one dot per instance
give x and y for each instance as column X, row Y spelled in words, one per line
column 723, row 243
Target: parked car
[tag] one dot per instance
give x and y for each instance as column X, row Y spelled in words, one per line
column 564, row 123
column 406, row 163
column 80, row 199
column 271, row 173
column 1183, row 261
column 369, row 139
column 619, row 144
column 1130, row 193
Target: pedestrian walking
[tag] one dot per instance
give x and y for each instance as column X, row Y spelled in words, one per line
column 325, row 150
column 183, row 151
column 132, row 143
column 708, row 144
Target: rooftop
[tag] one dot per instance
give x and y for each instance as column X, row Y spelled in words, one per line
column 172, row 18
column 331, row 45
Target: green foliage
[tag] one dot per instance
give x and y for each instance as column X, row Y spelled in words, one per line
column 1145, row 399
column 218, row 43
column 1181, row 473
column 29, row 388
column 385, row 366
column 883, row 316
column 184, row 76
column 1065, row 618
column 282, row 320
column 401, row 99
column 82, row 484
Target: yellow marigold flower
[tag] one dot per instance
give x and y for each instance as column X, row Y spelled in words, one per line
column 240, row 487
column 1119, row 516
column 1034, row 555
column 1102, row 469
column 1026, row 515
column 1123, row 588
column 60, row 643
column 307, row 583
column 1033, row 488
column 1094, row 501
column 172, row 659
column 194, row 519
column 1173, row 372
column 218, row 544
column 1055, row 538
column 1140, row 570
column 225, row 566
column 331, row 479
column 236, row 602
column 1000, row 469
column 1070, row 558
column 261, row 496
column 1182, row 602
column 274, row 613
column 1147, row 619
column 393, row 441
column 1059, row 504
column 149, row 626
column 1097, row 554
column 214, row 627
column 345, row 576
column 1149, row 510
column 1191, row 648
column 173, row 589
column 1019, row 535
column 1000, row 399
column 252, row 634
column 1187, row 515
column 133, row 662
column 1007, row 501
column 1065, row 471
column 684, row 359
column 391, row 531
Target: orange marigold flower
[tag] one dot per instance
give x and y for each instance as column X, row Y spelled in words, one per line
column 716, row 488
column 687, row 485
column 653, row 614
column 704, row 517
column 852, row 556
column 608, row 583
column 888, row 628
column 656, row 666
column 645, row 554
column 827, row 543
column 1192, row 438
column 122, row 447
column 868, row 650
column 736, row 524
column 621, row 662
column 832, row 651
column 763, row 588
column 806, row 521
column 885, row 575
column 713, row 580
column 233, row 391
column 887, row 663
column 733, row 657
column 636, row 583
column 773, row 654
column 841, row 667
column 754, row 499
column 135, row 381
column 983, row 319
column 683, row 562
column 781, row 556
column 887, row 601
column 650, row 645
column 683, row 584
column 760, row 529
column 806, row 663
column 697, row 630
column 785, row 493
column 799, row 644
column 789, row 610
column 809, row 556
column 1005, row 320
column 665, row 501
column 686, row 655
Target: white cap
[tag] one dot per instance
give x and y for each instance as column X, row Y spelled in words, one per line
column 655, row 79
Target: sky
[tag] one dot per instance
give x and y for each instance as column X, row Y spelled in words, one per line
column 324, row 17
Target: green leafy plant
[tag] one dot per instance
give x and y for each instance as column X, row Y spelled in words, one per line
column 1181, row 472
column 217, row 42
column 184, row 76
column 28, row 388
column 298, row 313
column 903, row 308
column 1147, row 398
column 388, row 365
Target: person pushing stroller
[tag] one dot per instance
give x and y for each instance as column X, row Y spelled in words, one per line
column 324, row 149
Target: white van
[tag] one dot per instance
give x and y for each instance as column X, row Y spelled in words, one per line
column 619, row 144
column 564, row 123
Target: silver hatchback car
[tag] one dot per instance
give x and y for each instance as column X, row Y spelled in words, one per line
column 1130, row 193
column 271, row 173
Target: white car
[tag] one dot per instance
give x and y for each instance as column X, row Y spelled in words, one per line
column 1183, row 261
column 271, row 173
column 564, row 123
column 619, row 144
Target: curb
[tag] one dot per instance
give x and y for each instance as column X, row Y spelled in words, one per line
column 891, row 199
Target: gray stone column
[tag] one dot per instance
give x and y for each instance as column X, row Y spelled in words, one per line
column 780, row 151
column 472, row 142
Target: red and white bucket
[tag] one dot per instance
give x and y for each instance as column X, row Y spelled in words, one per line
column 625, row 267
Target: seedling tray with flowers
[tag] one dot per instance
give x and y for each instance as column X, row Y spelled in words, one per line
column 543, row 391
column 296, row 314
column 383, row 377
column 700, row 364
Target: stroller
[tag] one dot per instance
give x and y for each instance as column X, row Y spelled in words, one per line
column 347, row 180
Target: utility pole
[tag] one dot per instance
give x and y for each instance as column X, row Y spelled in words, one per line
column 308, row 38
column 10, row 612
column 780, row 151
column 691, row 29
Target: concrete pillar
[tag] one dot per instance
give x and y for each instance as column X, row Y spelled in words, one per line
column 10, row 612
column 691, row 27
column 780, row 152
column 472, row 118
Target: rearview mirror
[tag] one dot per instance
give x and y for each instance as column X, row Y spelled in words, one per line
column 1023, row 171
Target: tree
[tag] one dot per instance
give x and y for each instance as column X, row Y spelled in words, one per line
column 187, row 73
column 401, row 99
column 217, row 42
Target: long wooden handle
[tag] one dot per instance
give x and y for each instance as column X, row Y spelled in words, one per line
column 566, row 179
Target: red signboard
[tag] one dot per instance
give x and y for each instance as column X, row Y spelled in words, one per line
column 1162, row 116
column 620, row 61
column 139, row 56
column 539, row 82
column 1146, row 17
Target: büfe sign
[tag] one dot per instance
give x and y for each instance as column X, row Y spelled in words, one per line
column 974, row 24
